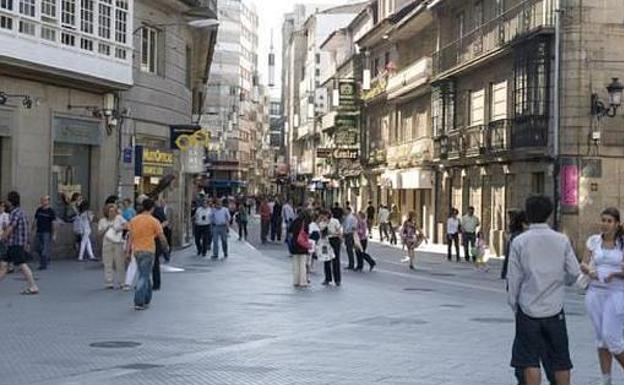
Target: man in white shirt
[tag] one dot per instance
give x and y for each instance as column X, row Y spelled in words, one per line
column 541, row 261
column 203, row 228
column 349, row 227
column 452, row 233
column 469, row 225
column 288, row 213
column 384, row 221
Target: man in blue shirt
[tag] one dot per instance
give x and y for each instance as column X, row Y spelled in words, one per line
column 220, row 219
column 349, row 228
column 45, row 230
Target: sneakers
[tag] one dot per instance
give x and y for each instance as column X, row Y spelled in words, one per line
column 405, row 259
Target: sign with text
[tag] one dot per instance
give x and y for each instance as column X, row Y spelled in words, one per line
column 324, row 152
column 569, row 185
column 183, row 137
column 152, row 162
column 345, row 138
column 346, row 153
column 347, row 92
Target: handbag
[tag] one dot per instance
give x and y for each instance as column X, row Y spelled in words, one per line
column 302, row 239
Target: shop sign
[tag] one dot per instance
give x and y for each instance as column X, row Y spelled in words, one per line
column 152, row 162
column 77, row 131
column 345, row 138
column 345, row 121
column 183, row 137
column 324, row 152
column 347, row 91
column 569, row 185
column 346, row 153
column 127, row 155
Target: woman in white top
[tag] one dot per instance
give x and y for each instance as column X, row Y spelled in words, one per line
column 605, row 296
column 4, row 223
column 110, row 228
column 334, row 233
column 84, row 226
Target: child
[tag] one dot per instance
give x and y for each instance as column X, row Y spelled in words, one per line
column 479, row 252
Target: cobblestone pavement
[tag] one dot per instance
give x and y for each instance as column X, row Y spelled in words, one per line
column 241, row 322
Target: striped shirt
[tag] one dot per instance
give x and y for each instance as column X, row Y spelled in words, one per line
column 19, row 224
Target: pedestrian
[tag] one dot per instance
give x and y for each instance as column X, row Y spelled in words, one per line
column 337, row 212
column 167, row 226
column 128, row 211
column 334, row 233
column 412, row 237
column 159, row 213
column 604, row 300
column 288, row 213
column 220, row 219
column 479, row 253
column 111, row 228
column 203, row 228
column 45, row 230
column 349, row 228
column 144, row 229
column 361, row 243
column 299, row 248
column 384, row 220
column 265, row 220
column 5, row 220
column 241, row 220
column 517, row 225
column 85, row 219
column 276, row 222
column 72, row 216
column 370, row 218
column 469, row 225
column 453, row 226
column 323, row 249
column 15, row 236
column 393, row 221
column 539, row 261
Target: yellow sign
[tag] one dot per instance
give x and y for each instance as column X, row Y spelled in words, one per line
column 199, row 138
column 157, row 157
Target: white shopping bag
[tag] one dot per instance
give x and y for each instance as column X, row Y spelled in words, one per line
column 131, row 272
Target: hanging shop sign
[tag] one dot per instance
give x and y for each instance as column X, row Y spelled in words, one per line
column 345, row 138
column 569, row 185
column 347, row 92
column 346, row 121
column 324, row 152
column 346, row 153
column 184, row 137
column 152, row 162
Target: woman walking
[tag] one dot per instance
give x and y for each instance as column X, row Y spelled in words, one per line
column 84, row 227
column 241, row 220
column 605, row 296
column 334, row 233
column 111, row 228
column 395, row 219
column 412, row 238
column 324, row 251
column 361, row 243
column 299, row 248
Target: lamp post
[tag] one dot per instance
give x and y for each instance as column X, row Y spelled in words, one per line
column 598, row 107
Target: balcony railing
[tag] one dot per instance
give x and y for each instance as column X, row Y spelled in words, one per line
column 473, row 140
column 409, row 77
column 499, row 135
column 521, row 19
column 529, row 131
column 455, row 144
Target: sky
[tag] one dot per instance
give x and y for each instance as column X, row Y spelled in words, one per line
column 271, row 15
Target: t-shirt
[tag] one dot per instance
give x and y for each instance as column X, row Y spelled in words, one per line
column 129, row 213
column 452, row 226
column 605, row 261
column 144, row 229
column 44, row 219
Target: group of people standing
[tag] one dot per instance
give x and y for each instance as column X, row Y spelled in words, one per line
column 211, row 224
column 465, row 227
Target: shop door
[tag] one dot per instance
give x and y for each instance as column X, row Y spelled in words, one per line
column 70, row 172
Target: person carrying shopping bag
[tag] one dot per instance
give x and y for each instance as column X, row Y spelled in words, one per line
column 111, row 228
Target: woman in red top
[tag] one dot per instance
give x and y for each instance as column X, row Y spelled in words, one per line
column 265, row 220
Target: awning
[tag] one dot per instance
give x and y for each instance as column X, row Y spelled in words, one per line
column 226, row 183
column 417, row 178
column 391, row 179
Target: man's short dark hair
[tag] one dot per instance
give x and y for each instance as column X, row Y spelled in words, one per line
column 538, row 208
column 148, row 204
column 471, row 208
column 111, row 199
column 14, row 198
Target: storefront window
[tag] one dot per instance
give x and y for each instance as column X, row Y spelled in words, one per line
column 70, row 172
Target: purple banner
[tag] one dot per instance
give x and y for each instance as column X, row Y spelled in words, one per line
column 569, row 185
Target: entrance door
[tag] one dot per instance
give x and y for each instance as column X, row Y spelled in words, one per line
column 71, row 172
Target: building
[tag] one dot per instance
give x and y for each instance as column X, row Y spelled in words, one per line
column 170, row 74
column 62, row 70
column 232, row 96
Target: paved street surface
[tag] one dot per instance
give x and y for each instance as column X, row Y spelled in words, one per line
column 241, row 322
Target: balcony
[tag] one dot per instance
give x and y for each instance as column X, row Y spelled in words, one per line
column 499, row 135
column 473, row 140
column 520, row 20
column 455, row 144
column 409, row 78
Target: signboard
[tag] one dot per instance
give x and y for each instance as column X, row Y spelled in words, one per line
column 346, row 153
column 344, row 121
column 347, row 95
column 152, row 162
column 127, row 155
column 183, row 137
column 77, row 131
column 324, row 152
column 345, row 138
column 569, row 185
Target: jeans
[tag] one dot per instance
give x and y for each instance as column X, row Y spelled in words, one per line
column 220, row 232
column 202, row 239
column 44, row 249
column 168, row 235
column 383, row 230
column 450, row 238
column 242, row 230
column 349, row 243
column 335, row 263
column 143, row 292
column 276, row 229
column 470, row 240
column 264, row 229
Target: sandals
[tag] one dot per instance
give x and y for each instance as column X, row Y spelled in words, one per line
column 29, row 291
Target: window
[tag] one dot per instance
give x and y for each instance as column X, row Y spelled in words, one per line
column 121, row 21
column 68, row 13
column 104, row 49
column 104, row 19
column 459, row 22
column 376, row 67
column 478, row 14
column 6, row 23
column 86, row 16
column 149, row 49
column 318, row 58
column 189, row 67
column 48, row 33
column 27, row 8
column 477, row 108
column 6, row 4
column 86, row 44
column 48, row 9
column 120, row 53
column 68, row 39
column 27, row 28
column 531, row 81
column 498, row 107
column 386, row 59
column 538, row 180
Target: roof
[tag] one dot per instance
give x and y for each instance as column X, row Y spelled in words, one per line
column 346, row 8
column 381, row 28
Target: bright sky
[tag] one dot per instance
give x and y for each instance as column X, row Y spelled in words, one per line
column 271, row 13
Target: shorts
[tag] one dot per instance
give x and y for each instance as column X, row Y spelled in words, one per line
column 541, row 339
column 15, row 255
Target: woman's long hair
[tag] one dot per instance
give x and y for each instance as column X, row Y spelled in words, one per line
column 517, row 221
column 619, row 232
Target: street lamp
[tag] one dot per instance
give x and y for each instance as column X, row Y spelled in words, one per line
column 26, row 99
column 599, row 109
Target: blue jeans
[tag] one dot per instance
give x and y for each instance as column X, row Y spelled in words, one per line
column 219, row 232
column 44, row 249
column 143, row 292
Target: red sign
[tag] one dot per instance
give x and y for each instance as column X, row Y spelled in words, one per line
column 569, row 185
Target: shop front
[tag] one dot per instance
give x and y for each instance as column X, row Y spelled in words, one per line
column 151, row 165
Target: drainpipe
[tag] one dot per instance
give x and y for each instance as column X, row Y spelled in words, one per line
column 556, row 114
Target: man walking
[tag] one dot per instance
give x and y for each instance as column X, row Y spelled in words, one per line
column 220, row 219
column 384, row 222
column 349, row 228
column 540, row 261
column 265, row 220
column 452, row 233
column 469, row 225
column 168, row 225
column 143, row 231
column 288, row 213
column 370, row 218
column 203, row 236
column 45, row 230
column 159, row 213
column 276, row 222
